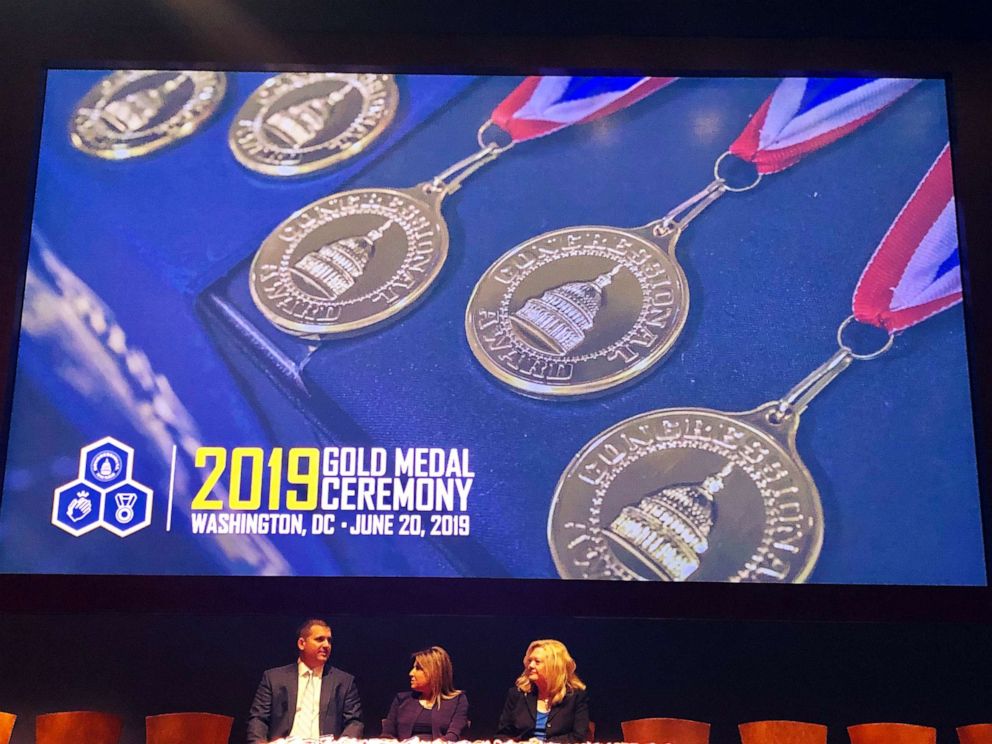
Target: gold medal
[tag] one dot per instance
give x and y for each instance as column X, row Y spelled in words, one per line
column 688, row 494
column 350, row 261
column 578, row 311
column 301, row 122
column 554, row 340
column 323, row 271
column 692, row 494
column 134, row 112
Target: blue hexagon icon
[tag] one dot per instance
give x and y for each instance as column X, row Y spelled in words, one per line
column 77, row 507
column 127, row 508
column 105, row 463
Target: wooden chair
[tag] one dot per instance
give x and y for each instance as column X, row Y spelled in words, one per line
column 782, row 732
column 184, row 728
column 891, row 733
column 78, row 727
column 977, row 733
column 665, row 731
column 6, row 727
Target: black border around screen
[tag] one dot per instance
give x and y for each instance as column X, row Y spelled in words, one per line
column 252, row 35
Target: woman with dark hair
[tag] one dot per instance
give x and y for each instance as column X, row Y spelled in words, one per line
column 549, row 701
column 433, row 709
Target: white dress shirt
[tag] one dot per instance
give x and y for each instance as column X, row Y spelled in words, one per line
column 306, row 722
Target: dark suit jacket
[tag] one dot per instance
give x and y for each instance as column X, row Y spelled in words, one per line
column 448, row 721
column 567, row 722
column 272, row 711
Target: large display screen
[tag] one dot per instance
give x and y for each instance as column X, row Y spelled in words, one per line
column 589, row 327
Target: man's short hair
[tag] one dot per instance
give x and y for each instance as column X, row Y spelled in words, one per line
column 304, row 629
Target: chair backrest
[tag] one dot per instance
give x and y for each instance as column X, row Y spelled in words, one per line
column 6, row 727
column 78, row 726
column 782, row 732
column 665, row 731
column 891, row 733
column 186, row 728
column 977, row 733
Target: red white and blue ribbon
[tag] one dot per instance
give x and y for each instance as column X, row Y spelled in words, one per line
column 541, row 105
column 804, row 114
column 916, row 270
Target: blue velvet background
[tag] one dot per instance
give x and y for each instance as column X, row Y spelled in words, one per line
column 166, row 241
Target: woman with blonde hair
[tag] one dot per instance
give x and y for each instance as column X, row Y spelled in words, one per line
column 549, row 701
column 433, row 709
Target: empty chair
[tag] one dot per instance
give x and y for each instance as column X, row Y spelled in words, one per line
column 76, row 727
column 6, row 726
column 184, row 728
column 891, row 733
column 782, row 732
column 977, row 733
column 665, row 731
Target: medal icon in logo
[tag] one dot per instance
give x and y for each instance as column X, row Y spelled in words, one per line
column 134, row 112
column 125, row 507
column 302, row 122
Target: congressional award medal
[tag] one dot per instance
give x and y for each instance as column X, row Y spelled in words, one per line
column 580, row 310
column 135, row 112
column 349, row 261
column 702, row 495
column 301, row 122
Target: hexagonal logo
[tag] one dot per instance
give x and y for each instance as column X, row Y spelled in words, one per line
column 105, row 495
column 127, row 508
column 106, row 462
column 77, row 507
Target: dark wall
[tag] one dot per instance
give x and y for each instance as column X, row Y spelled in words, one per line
column 724, row 672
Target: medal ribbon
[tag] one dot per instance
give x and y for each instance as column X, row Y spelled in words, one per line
column 804, row 114
column 916, row 270
column 541, row 105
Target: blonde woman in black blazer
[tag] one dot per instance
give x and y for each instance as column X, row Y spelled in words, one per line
column 548, row 701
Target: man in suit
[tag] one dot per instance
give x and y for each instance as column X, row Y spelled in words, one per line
column 307, row 699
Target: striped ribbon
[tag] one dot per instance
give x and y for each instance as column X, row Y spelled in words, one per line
column 804, row 114
column 916, row 270
column 541, row 105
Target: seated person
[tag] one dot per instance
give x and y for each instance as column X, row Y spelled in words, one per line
column 549, row 701
column 432, row 709
column 309, row 698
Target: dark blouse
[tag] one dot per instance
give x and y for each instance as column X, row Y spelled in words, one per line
column 447, row 721
column 422, row 728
